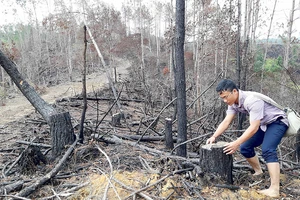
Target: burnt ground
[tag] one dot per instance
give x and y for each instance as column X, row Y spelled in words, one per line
column 104, row 166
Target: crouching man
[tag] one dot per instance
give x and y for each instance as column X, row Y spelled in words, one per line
column 268, row 125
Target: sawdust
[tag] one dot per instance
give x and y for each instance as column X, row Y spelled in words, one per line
column 135, row 180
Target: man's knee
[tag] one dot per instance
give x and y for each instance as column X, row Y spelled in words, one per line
column 270, row 155
column 246, row 151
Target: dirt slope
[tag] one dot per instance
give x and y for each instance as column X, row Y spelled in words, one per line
column 19, row 106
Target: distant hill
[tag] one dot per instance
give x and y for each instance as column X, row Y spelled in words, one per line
column 271, row 41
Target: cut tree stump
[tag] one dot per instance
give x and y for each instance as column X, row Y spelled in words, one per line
column 116, row 119
column 168, row 134
column 61, row 131
column 213, row 160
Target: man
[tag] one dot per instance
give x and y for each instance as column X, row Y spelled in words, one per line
column 268, row 124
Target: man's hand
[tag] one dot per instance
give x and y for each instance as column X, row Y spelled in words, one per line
column 231, row 147
column 211, row 140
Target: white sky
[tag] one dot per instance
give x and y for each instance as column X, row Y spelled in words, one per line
column 281, row 14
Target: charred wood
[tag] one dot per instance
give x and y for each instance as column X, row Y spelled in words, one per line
column 214, row 160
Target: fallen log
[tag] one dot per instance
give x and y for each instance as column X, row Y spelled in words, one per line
column 34, row 144
column 11, row 187
column 113, row 139
column 103, row 99
column 144, row 139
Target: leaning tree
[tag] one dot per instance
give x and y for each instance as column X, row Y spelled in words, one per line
column 61, row 128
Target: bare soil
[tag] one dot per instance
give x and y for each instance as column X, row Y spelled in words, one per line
column 17, row 107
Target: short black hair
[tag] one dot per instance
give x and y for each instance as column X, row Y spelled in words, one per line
column 226, row 85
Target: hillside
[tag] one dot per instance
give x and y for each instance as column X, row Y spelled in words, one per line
column 129, row 167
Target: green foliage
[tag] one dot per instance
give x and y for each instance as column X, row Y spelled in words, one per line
column 259, row 59
column 295, row 57
column 272, row 65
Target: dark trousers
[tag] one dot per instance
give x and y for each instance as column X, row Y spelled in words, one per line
column 268, row 140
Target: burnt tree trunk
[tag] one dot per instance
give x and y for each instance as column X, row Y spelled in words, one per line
column 180, row 78
column 116, row 119
column 62, row 129
column 213, row 160
column 168, row 134
column 81, row 135
column 61, row 123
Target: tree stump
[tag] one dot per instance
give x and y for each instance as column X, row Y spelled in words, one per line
column 168, row 134
column 116, row 119
column 213, row 160
column 61, row 131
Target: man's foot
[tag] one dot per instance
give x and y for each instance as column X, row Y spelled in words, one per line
column 269, row 192
column 258, row 176
column 257, row 173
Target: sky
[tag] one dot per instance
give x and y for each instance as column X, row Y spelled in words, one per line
column 8, row 10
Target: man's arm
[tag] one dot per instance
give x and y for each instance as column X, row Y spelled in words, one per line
column 250, row 131
column 221, row 128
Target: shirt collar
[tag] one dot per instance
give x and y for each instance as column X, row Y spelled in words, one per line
column 242, row 97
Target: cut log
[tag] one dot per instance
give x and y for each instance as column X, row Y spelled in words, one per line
column 213, row 160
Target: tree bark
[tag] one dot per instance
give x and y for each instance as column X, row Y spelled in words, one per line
column 213, row 160
column 81, row 135
column 168, row 134
column 116, row 119
column 180, row 77
column 62, row 132
column 289, row 37
column 60, row 124
column 238, row 58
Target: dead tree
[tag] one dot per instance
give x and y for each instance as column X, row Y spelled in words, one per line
column 81, row 136
column 61, row 128
column 180, row 82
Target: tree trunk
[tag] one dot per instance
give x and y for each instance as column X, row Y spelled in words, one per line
column 266, row 48
column 81, row 135
column 168, row 134
column 180, row 77
column 105, row 67
column 214, row 160
column 289, row 37
column 60, row 124
column 286, row 57
column 238, row 58
column 62, row 132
